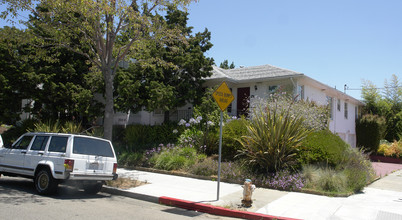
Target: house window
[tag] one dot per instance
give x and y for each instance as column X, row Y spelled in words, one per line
column 300, row 92
column 331, row 107
column 339, row 105
column 272, row 89
column 346, row 110
column 356, row 112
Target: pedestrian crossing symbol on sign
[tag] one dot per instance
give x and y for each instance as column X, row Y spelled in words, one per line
column 223, row 96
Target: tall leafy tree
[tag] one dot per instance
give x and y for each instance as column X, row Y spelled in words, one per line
column 371, row 96
column 54, row 82
column 225, row 65
column 388, row 104
column 393, row 92
column 17, row 78
column 393, row 99
column 98, row 26
column 167, row 87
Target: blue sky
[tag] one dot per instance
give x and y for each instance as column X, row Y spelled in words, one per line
column 335, row 42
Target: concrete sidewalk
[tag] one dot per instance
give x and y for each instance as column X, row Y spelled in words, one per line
column 380, row 200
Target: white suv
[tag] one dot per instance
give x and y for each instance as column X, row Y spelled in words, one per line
column 53, row 158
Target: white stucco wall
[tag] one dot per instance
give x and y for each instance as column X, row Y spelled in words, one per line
column 314, row 94
column 338, row 124
column 344, row 127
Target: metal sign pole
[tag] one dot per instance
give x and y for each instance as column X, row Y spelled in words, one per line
column 220, row 156
column 223, row 97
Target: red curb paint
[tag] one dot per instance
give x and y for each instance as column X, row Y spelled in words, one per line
column 201, row 207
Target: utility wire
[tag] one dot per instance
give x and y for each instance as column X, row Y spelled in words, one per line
column 392, row 87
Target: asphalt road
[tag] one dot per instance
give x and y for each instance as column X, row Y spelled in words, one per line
column 18, row 200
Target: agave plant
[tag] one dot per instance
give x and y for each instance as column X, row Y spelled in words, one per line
column 48, row 126
column 72, row 128
column 274, row 136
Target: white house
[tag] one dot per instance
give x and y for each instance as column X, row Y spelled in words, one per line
column 260, row 81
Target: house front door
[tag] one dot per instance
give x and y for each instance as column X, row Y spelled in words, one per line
column 243, row 99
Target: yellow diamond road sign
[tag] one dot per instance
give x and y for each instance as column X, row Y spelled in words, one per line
column 223, row 96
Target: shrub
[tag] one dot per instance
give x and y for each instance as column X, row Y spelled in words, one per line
column 138, row 138
column 191, row 138
column 130, row 159
column 322, row 147
column 232, row 131
column 369, row 131
column 315, row 116
column 56, row 127
column 393, row 149
column 209, row 112
column 207, row 167
column 176, row 158
column 358, row 169
column 48, row 126
column 72, row 127
column 281, row 180
column 229, row 170
column 352, row 173
column 273, row 138
column 383, row 149
column 16, row 131
column 331, row 181
column 394, row 126
column 212, row 143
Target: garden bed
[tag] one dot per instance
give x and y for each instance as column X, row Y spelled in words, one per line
column 380, row 158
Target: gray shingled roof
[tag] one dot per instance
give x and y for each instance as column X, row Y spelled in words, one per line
column 252, row 73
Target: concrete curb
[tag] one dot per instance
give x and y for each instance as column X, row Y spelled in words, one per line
column 195, row 206
column 215, row 210
column 129, row 194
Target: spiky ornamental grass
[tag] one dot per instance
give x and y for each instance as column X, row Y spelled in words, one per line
column 274, row 137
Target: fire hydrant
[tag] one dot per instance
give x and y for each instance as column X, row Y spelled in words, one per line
column 248, row 189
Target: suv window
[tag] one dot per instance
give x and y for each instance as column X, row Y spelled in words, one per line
column 91, row 146
column 23, row 143
column 40, row 143
column 58, row 144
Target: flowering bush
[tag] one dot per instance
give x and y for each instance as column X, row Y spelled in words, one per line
column 234, row 171
column 393, row 149
column 282, row 180
column 192, row 136
column 315, row 116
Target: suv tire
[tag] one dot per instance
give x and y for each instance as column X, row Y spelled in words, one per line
column 93, row 188
column 45, row 184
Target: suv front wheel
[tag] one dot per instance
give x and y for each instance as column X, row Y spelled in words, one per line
column 45, row 184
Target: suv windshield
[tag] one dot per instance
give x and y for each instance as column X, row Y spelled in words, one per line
column 91, row 146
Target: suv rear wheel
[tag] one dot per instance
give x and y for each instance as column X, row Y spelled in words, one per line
column 45, row 184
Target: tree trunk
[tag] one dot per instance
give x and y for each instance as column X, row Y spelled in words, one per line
column 109, row 104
